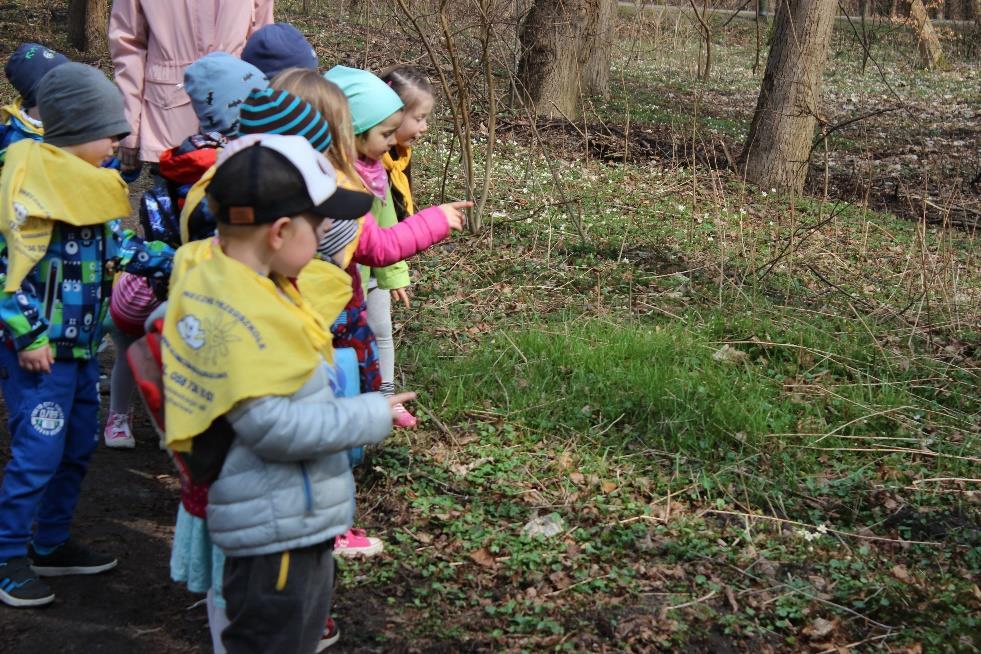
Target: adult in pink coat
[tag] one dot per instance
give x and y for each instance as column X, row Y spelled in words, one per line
column 152, row 42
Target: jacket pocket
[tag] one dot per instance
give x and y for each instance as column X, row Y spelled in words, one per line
column 166, row 95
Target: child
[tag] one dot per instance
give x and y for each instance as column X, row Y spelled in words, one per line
column 25, row 68
column 217, row 84
column 61, row 247
column 277, row 47
column 285, row 489
column 372, row 245
column 377, row 113
column 416, row 92
column 266, row 111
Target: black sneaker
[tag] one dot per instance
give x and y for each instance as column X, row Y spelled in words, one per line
column 20, row 586
column 70, row 558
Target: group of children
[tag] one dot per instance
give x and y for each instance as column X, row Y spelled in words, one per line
column 274, row 244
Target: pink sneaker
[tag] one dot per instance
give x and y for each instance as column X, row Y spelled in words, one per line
column 355, row 543
column 403, row 418
column 118, row 434
column 331, row 635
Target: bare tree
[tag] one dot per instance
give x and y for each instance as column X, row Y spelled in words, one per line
column 596, row 76
column 930, row 52
column 557, row 40
column 781, row 135
column 88, row 24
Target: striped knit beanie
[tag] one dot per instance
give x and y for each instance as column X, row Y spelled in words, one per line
column 271, row 111
column 338, row 236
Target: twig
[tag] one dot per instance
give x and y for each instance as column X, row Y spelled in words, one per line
column 827, row 529
column 704, row 598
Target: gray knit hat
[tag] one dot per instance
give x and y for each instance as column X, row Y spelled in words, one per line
column 79, row 104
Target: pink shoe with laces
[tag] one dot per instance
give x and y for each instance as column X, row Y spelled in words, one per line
column 403, row 418
column 118, row 434
column 354, row 543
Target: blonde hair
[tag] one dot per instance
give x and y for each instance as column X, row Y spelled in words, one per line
column 327, row 98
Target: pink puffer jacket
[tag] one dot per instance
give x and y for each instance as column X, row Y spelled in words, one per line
column 153, row 41
column 383, row 246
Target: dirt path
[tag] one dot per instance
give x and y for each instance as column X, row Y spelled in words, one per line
column 128, row 506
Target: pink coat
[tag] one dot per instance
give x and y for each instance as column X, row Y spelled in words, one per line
column 383, row 246
column 153, row 41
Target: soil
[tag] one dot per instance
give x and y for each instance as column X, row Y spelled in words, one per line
column 128, row 508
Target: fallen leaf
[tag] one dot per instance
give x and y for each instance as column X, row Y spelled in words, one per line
column 766, row 568
column 564, row 460
column 483, row 557
column 901, row 573
column 608, row 487
column 577, row 478
column 819, row 628
column 545, row 526
column 729, row 354
column 560, row 579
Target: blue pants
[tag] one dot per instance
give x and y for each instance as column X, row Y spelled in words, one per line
column 54, row 427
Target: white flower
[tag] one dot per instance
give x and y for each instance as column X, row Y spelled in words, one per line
column 681, row 207
column 764, row 193
column 773, row 190
column 822, row 529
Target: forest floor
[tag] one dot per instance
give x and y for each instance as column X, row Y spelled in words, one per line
column 661, row 409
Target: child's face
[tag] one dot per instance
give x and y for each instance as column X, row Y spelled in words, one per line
column 378, row 140
column 94, row 152
column 297, row 243
column 415, row 120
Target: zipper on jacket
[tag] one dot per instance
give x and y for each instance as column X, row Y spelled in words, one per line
column 307, row 490
column 51, row 290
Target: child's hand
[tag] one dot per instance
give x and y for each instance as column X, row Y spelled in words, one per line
column 401, row 295
column 399, row 398
column 454, row 213
column 39, row 360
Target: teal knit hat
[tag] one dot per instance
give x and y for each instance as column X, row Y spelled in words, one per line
column 371, row 100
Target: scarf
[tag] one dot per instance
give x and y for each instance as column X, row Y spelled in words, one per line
column 396, row 174
column 16, row 111
column 230, row 335
column 42, row 184
column 327, row 288
column 374, row 175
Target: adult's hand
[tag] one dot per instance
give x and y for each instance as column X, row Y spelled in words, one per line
column 129, row 159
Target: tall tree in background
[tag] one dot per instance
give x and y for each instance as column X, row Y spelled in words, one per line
column 930, row 53
column 557, row 41
column 778, row 147
column 88, row 24
column 596, row 75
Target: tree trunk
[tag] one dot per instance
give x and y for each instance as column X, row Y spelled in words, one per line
column 779, row 143
column 88, row 24
column 596, row 76
column 930, row 53
column 556, row 43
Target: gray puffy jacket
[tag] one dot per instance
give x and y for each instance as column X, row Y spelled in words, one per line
column 287, row 482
